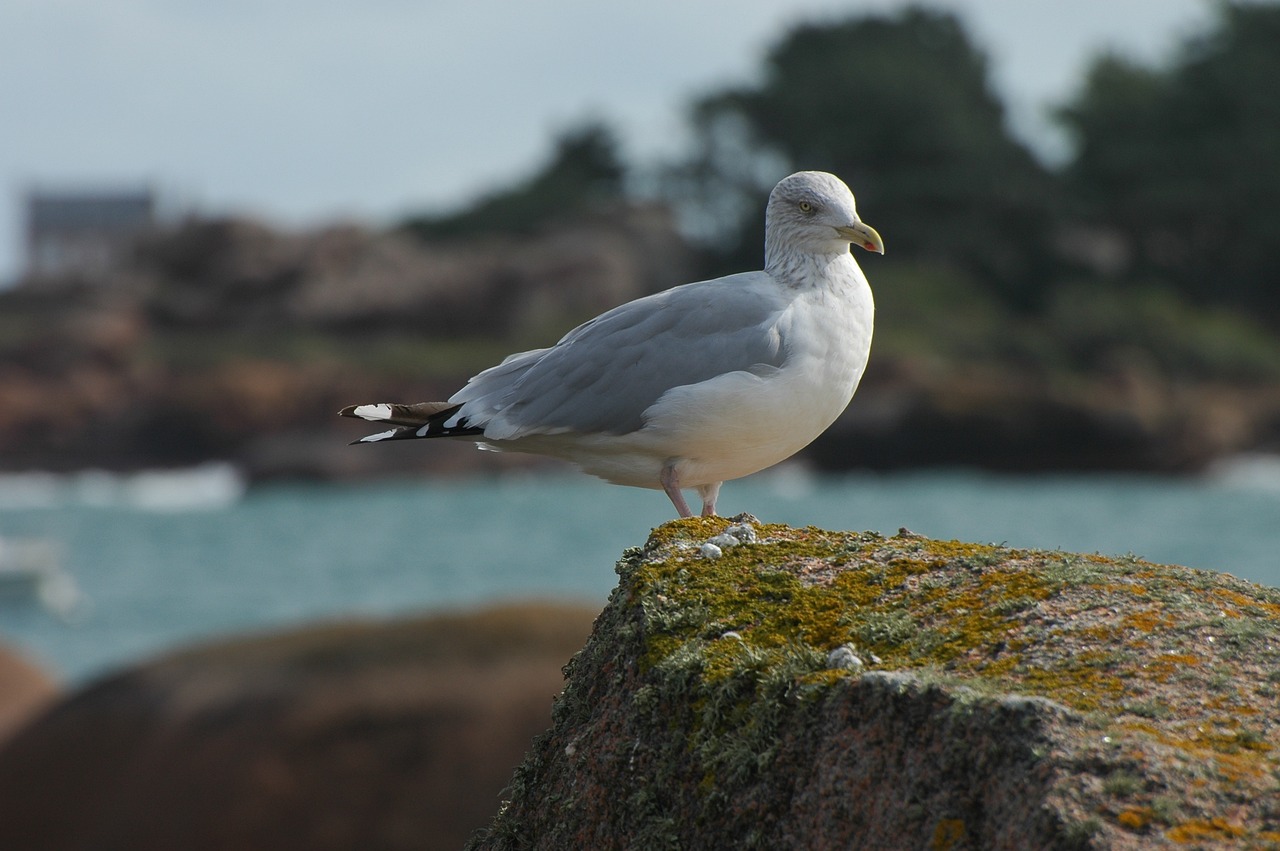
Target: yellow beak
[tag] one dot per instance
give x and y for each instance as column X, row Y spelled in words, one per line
column 864, row 235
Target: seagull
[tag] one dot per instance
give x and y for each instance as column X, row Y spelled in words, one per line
column 694, row 386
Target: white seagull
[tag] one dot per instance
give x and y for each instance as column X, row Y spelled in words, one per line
column 693, row 386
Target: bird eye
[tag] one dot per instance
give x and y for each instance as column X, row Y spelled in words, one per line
column 806, row 207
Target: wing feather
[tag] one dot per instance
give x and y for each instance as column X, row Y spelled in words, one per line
column 603, row 375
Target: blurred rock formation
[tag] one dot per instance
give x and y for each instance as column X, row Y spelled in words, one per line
column 397, row 735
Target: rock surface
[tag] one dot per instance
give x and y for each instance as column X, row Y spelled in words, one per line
column 820, row 689
column 229, row 340
column 354, row 736
column 237, row 274
column 25, row 689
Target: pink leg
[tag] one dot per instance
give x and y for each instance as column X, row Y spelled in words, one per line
column 709, row 494
column 671, row 484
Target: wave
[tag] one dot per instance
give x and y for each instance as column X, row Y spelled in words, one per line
column 1250, row 471
column 206, row 487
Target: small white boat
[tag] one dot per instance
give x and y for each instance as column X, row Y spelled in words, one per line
column 32, row 568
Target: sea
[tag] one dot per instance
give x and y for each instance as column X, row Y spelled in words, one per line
column 157, row 561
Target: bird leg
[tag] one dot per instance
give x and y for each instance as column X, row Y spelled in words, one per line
column 709, row 494
column 671, row 484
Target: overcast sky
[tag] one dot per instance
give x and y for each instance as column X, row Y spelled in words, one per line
column 303, row 111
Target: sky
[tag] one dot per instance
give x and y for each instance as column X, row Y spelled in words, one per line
column 304, row 112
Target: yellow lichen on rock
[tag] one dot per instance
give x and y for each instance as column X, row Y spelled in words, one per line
column 790, row 686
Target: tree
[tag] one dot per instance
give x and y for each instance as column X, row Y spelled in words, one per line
column 901, row 108
column 1183, row 160
column 584, row 171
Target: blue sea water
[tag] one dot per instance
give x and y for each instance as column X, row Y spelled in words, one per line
column 160, row 568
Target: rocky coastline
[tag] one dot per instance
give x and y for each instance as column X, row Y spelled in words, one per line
column 231, row 341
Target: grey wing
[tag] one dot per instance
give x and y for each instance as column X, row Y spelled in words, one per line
column 603, row 375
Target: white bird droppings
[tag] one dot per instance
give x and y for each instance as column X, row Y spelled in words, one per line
column 844, row 657
column 740, row 533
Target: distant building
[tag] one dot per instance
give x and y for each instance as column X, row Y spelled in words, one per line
column 83, row 234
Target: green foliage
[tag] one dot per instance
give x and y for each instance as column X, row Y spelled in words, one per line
column 1182, row 160
column 931, row 310
column 1105, row 326
column 584, row 172
column 1178, row 162
column 1175, row 164
column 933, row 313
column 901, row 107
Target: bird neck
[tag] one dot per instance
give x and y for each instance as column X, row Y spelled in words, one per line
column 801, row 268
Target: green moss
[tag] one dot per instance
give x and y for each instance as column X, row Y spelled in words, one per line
column 831, row 590
column 948, row 833
column 749, row 633
column 1160, row 671
column 1080, row 834
column 1122, row 784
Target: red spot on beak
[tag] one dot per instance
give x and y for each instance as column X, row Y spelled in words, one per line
column 869, row 246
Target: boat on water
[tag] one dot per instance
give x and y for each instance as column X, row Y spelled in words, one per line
column 31, row 569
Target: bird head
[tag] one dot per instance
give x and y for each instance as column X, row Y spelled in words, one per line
column 813, row 211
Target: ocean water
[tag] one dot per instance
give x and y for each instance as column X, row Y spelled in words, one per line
column 168, row 560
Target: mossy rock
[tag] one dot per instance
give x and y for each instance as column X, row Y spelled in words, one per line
column 815, row 689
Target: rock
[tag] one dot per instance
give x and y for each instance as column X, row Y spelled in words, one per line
column 396, row 735
column 239, row 274
column 25, row 690
column 1014, row 699
column 234, row 341
column 1009, row 418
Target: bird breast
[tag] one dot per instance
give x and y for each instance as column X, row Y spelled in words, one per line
column 742, row 422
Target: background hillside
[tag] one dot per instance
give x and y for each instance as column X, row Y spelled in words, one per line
column 1115, row 311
